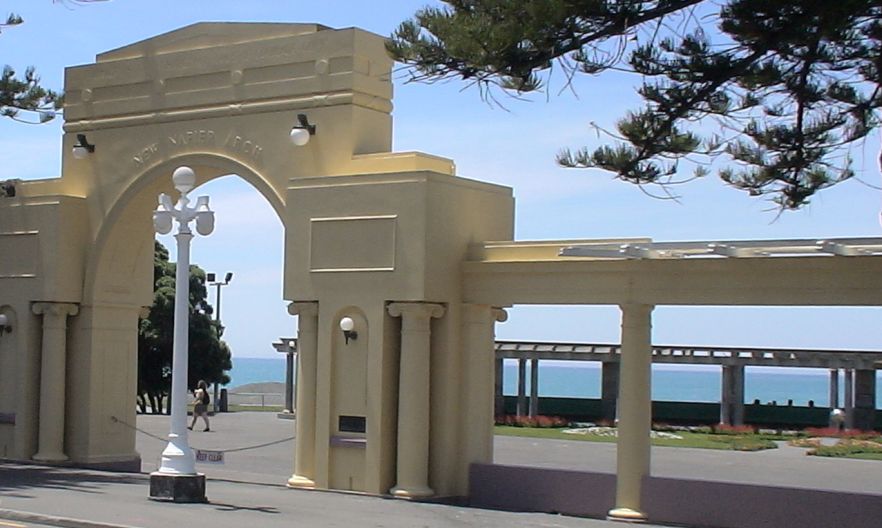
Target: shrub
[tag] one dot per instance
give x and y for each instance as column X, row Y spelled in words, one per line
column 840, row 433
column 724, row 429
column 744, row 443
column 846, row 448
column 532, row 421
column 805, row 442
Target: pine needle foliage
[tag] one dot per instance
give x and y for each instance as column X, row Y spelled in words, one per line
column 23, row 98
column 771, row 92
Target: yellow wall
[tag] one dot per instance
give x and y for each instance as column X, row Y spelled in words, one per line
column 364, row 227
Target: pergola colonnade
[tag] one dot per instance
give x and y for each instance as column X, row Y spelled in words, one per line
column 856, row 367
column 551, row 272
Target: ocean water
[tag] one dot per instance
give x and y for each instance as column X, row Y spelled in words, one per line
column 669, row 382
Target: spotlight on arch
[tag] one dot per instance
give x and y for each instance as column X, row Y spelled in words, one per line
column 82, row 148
column 300, row 132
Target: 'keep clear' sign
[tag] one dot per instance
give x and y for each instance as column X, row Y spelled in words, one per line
column 209, row 457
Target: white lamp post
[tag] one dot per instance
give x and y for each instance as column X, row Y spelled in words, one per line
column 176, row 479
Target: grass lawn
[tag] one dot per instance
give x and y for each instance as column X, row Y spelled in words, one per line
column 689, row 439
column 867, row 456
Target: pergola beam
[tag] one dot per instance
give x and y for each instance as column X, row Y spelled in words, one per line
column 770, row 281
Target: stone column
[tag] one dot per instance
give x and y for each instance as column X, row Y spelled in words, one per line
column 732, row 397
column 499, row 399
column 304, row 425
column 738, row 395
column 289, row 380
column 834, row 389
column 413, row 398
column 725, row 395
column 849, row 398
column 864, row 399
column 522, row 387
column 534, row 387
column 609, row 390
column 52, row 379
column 635, row 411
column 478, row 369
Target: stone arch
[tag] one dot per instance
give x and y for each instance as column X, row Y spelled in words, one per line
column 138, row 199
column 118, row 287
column 364, row 227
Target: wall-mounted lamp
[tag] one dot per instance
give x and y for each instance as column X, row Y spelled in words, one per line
column 7, row 189
column 300, row 133
column 5, row 327
column 348, row 327
column 83, row 148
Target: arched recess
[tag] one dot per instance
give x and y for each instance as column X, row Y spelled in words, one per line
column 10, row 386
column 118, row 287
column 349, row 401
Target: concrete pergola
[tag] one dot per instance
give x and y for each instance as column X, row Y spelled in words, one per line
column 288, row 346
column 859, row 369
column 637, row 275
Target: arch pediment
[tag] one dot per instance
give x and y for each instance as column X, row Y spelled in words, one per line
column 218, row 64
column 208, row 35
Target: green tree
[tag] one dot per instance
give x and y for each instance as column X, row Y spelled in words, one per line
column 209, row 356
column 789, row 85
column 25, row 94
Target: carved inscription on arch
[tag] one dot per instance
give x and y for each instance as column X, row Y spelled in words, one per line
column 240, row 145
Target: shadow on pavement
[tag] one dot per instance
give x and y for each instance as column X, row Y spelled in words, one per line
column 19, row 478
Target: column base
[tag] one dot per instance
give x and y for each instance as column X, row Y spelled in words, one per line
column 177, row 488
column 626, row 515
column 297, row 481
column 412, row 492
column 50, row 457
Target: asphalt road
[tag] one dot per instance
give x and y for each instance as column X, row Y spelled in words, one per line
column 785, row 466
column 248, row 489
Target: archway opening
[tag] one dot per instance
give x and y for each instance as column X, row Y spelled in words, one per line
column 247, row 242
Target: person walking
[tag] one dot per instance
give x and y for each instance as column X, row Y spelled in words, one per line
column 200, row 404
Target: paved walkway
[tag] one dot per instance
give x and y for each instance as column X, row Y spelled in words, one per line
column 249, row 488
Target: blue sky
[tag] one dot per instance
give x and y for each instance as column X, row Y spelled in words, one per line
column 513, row 146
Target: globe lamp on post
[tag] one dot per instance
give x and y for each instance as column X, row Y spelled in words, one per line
column 176, row 479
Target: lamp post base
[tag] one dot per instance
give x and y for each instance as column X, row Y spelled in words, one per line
column 626, row 515
column 411, row 492
column 297, row 481
column 177, row 488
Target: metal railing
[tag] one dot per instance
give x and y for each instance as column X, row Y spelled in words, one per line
column 256, row 399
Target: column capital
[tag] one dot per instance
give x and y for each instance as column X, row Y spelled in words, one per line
column 483, row 314
column 304, row 308
column 416, row 309
column 499, row 314
column 55, row 308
